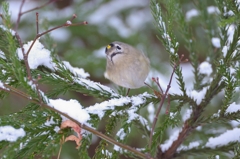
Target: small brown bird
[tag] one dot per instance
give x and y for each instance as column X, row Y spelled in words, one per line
column 126, row 66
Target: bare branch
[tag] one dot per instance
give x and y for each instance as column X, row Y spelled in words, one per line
column 37, row 23
column 39, row 7
column 25, row 55
column 164, row 96
column 19, row 15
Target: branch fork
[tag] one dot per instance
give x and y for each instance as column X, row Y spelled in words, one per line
column 163, row 95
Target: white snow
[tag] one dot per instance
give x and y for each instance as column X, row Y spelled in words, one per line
column 2, row 55
column 187, row 73
column 191, row 13
column 132, row 115
column 137, row 100
column 216, row 115
column 68, row 22
column 216, row 42
column 151, row 112
column 234, row 123
column 107, row 153
column 194, row 12
column 237, row 4
column 52, row 122
column 199, row 128
column 233, row 70
column 143, row 121
column 197, row 95
column 233, row 108
column 9, row 133
column 121, row 134
column 4, row 72
column 95, row 86
column 165, row 35
column 172, row 115
column 40, row 56
column 117, row 148
column 9, row 30
column 213, row 10
column 230, row 32
column 172, row 50
column 225, row 138
column 225, row 50
column 187, row 114
column 2, row 86
column 79, row 72
column 37, row 56
column 205, row 68
column 164, row 147
column 190, row 146
column 100, row 108
column 71, row 108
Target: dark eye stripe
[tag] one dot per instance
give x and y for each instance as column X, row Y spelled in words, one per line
column 113, row 54
column 119, row 48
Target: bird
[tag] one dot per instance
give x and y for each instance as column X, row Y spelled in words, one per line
column 125, row 65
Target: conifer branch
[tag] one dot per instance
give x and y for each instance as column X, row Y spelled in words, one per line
column 164, row 96
column 10, row 89
column 25, row 55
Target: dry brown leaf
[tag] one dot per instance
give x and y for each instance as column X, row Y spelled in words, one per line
column 74, row 138
column 76, row 128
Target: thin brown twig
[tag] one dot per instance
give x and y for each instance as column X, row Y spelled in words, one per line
column 37, row 23
column 157, row 93
column 181, row 136
column 29, row 76
column 73, row 17
column 36, row 8
column 61, row 144
column 25, row 55
column 158, row 84
column 11, row 89
column 19, row 15
column 54, row 28
column 168, row 106
column 162, row 100
column 22, row 94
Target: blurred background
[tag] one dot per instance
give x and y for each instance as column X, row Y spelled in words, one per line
column 83, row 46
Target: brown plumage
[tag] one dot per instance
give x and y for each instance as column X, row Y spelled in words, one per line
column 126, row 66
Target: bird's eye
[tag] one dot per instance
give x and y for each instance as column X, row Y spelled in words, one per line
column 119, row 48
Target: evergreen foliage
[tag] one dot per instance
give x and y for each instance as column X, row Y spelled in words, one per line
column 195, row 121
